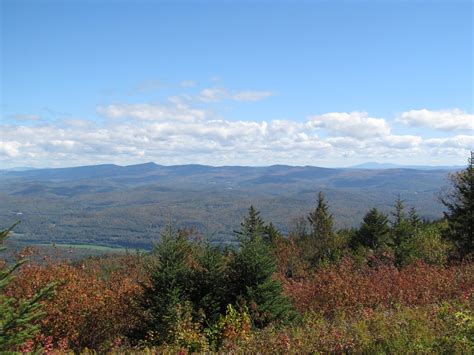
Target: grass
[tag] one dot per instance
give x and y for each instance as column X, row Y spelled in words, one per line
column 101, row 248
column 62, row 250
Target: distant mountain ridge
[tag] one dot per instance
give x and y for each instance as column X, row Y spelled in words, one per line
column 129, row 205
column 90, row 171
column 375, row 165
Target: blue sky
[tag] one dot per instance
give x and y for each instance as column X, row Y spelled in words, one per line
column 326, row 83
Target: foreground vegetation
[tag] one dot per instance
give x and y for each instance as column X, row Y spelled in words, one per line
column 396, row 284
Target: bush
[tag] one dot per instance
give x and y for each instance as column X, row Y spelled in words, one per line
column 403, row 330
column 91, row 309
column 426, row 244
column 349, row 288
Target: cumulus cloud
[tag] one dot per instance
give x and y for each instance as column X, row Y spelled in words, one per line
column 402, row 142
column 175, row 133
column 446, row 120
column 460, row 141
column 175, row 111
column 77, row 122
column 9, row 149
column 354, row 124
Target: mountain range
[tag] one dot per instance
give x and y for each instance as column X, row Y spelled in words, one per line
column 375, row 165
column 128, row 206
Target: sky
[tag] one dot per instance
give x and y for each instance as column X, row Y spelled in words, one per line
column 323, row 83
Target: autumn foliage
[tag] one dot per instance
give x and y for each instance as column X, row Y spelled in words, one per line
column 95, row 304
column 349, row 288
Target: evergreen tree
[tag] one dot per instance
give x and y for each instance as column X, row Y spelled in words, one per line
column 254, row 286
column 251, row 276
column 399, row 212
column 374, row 231
column 170, row 283
column 18, row 319
column 401, row 227
column 320, row 220
column 252, row 225
column 271, row 234
column 321, row 244
column 413, row 218
column 209, row 284
column 460, row 205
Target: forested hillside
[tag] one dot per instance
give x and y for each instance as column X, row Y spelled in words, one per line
column 128, row 207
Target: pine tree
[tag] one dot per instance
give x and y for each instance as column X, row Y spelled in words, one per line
column 321, row 243
column 401, row 228
column 253, row 283
column 271, row 234
column 413, row 218
column 170, row 284
column 209, row 284
column 399, row 212
column 460, row 205
column 251, row 276
column 18, row 319
column 252, row 225
column 320, row 220
column 374, row 231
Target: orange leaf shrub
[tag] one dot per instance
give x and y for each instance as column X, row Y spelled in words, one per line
column 95, row 303
column 349, row 288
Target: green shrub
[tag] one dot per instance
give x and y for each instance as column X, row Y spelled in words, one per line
column 426, row 244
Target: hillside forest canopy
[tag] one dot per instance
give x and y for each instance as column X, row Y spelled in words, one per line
column 396, row 283
column 128, row 207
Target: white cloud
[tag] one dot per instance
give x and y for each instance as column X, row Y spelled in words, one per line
column 175, row 111
column 187, row 84
column 460, row 141
column 446, row 120
column 27, row 117
column 354, row 124
column 175, row 132
column 77, row 122
column 402, row 142
column 212, row 94
column 9, row 149
column 219, row 94
column 250, row 95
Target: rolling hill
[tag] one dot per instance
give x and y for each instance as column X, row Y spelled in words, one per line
column 127, row 206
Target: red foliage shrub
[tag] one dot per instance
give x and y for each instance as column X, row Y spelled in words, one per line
column 95, row 302
column 348, row 288
column 289, row 258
